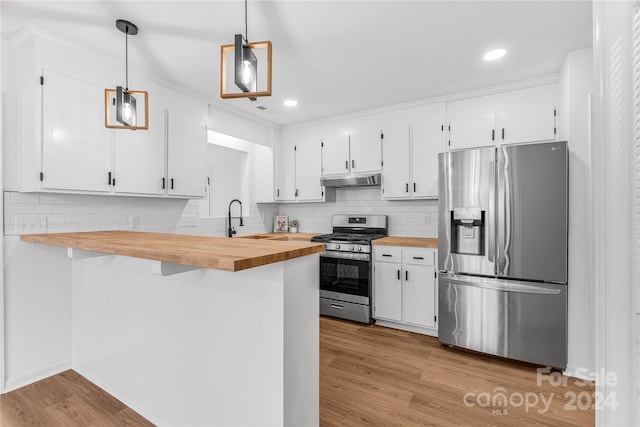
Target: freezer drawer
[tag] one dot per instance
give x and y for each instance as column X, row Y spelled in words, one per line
column 520, row 320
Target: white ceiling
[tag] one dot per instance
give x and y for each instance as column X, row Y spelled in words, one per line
column 334, row 57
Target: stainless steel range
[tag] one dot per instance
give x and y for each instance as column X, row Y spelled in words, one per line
column 345, row 268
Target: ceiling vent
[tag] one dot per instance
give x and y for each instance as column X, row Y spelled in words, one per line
column 266, row 109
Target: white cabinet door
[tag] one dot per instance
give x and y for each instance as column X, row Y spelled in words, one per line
column 76, row 146
column 308, row 170
column 335, row 154
column 426, row 142
column 396, row 172
column 139, row 155
column 528, row 115
column 285, row 171
column 365, row 150
column 387, row 291
column 418, row 296
column 472, row 122
column 186, row 147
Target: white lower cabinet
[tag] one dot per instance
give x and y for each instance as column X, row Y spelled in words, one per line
column 404, row 288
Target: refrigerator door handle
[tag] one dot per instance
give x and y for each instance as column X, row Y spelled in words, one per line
column 498, row 285
column 491, row 214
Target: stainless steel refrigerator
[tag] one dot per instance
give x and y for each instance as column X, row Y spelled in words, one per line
column 502, row 251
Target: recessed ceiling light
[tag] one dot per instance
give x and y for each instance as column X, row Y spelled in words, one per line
column 492, row 55
column 290, row 103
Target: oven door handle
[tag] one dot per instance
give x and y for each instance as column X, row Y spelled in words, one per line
column 346, row 255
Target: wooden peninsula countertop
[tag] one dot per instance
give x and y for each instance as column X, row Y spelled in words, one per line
column 220, row 253
column 415, row 242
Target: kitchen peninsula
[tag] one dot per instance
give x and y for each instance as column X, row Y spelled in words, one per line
column 192, row 330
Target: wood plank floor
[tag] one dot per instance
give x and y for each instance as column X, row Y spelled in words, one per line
column 66, row 399
column 369, row 375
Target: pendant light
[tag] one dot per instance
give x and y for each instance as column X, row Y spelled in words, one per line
column 126, row 112
column 126, row 108
column 245, row 66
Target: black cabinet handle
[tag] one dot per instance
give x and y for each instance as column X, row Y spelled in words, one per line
column 278, row 192
column 114, row 181
column 493, row 134
column 502, row 133
column 172, row 183
column 387, row 255
column 398, row 274
column 297, row 192
column 353, row 164
column 346, row 164
column 164, row 182
column 406, row 275
column 406, row 187
column 414, row 187
column 109, row 179
column 418, row 257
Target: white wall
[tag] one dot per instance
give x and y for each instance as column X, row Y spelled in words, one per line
column 576, row 83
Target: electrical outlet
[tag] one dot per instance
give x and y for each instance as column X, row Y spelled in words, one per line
column 134, row 221
column 187, row 221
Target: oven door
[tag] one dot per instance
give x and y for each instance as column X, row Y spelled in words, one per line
column 345, row 276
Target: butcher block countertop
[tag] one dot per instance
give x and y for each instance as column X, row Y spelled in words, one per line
column 220, row 253
column 282, row 236
column 415, row 242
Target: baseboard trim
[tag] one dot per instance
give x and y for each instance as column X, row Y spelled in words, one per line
column 408, row 328
column 14, row 384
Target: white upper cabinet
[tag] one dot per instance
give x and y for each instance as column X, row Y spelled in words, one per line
column 528, row 115
column 299, row 164
column 186, row 139
column 471, row 122
column 365, row 150
column 524, row 115
column 335, row 154
column 130, row 146
column 357, row 152
column 427, row 139
column 285, row 159
column 410, row 154
column 76, row 147
column 308, row 170
column 396, row 155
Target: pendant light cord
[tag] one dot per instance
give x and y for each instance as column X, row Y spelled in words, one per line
column 126, row 58
column 246, row 31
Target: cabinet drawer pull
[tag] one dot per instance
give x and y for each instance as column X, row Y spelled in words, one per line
column 406, row 275
column 109, row 179
column 387, row 255
column 339, row 307
column 418, row 257
column 398, row 274
column 503, row 133
column 346, row 164
column 353, row 164
column 414, row 187
column 172, row 183
column 407, row 187
column 164, row 182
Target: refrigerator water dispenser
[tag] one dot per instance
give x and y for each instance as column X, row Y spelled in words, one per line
column 467, row 231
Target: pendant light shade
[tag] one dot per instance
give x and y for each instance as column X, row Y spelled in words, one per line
column 248, row 62
column 126, row 108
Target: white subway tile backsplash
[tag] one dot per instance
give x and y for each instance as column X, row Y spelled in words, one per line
column 406, row 217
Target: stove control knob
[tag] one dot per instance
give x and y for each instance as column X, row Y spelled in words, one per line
column 337, row 246
column 352, row 248
column 359, row 248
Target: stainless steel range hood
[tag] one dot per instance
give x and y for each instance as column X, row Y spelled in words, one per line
column 352, row 181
